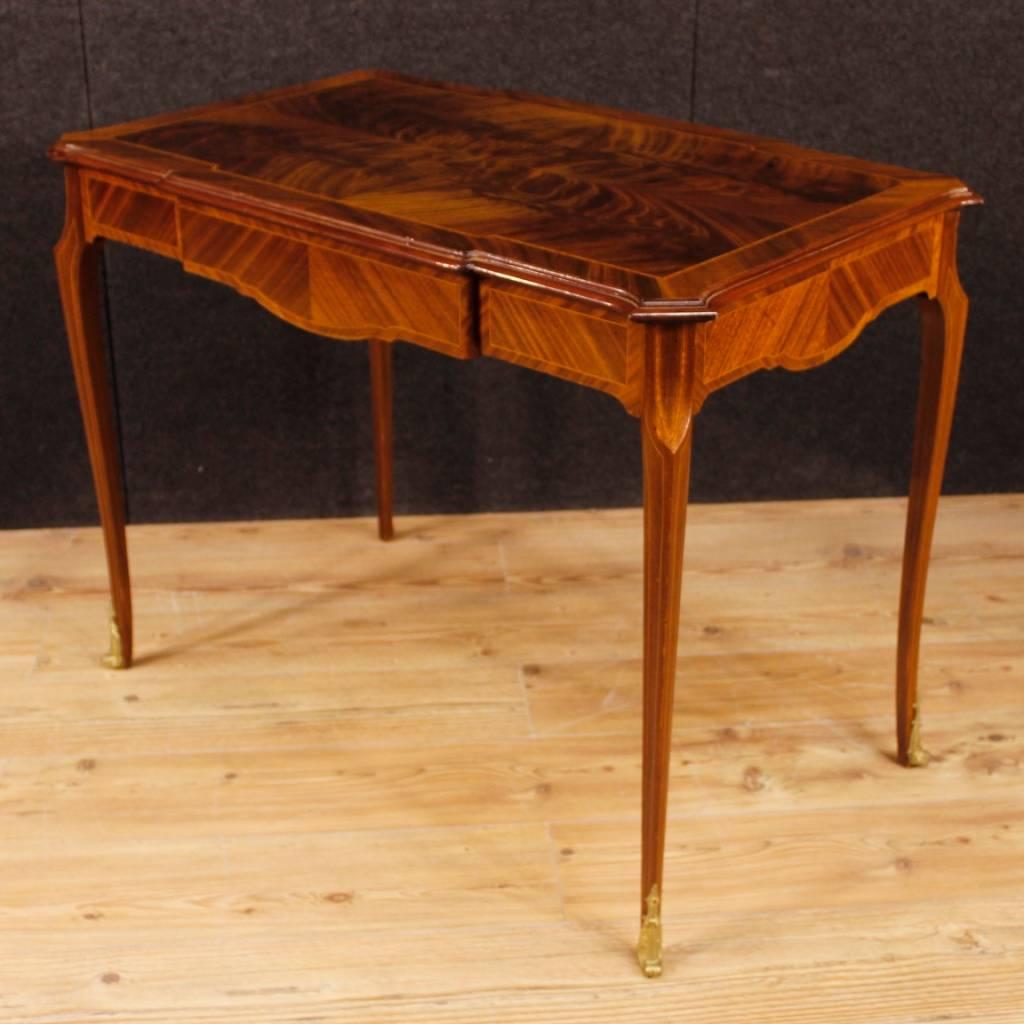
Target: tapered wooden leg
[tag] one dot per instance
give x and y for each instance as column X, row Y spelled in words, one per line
column 666, row 454
column 380, row 378
column 943, row 320
column 78, row 277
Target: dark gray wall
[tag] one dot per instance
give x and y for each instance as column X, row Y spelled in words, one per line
column 227, row 413
column 44, row 474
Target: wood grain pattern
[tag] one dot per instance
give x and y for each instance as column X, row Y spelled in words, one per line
column 181, row 841
column 328, row 291
column 861, row 287
column 129, row 213
column 370, row 173
column 806, row 323
column 572, row 340
column 267, row 267
column 385, row 302
column 586, row 201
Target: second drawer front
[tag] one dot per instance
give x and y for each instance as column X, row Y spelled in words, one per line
column 558, row 336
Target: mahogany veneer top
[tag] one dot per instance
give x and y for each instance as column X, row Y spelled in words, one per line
column 623, row 208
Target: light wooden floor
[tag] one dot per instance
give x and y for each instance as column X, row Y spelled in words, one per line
column 349, row 781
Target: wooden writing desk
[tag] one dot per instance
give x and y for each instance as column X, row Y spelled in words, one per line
column 648, row 258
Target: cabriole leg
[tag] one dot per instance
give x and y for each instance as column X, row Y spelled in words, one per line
column 943, row 319
column 78, row 277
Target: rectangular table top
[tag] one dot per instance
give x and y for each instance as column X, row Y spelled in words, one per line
column 663, row 212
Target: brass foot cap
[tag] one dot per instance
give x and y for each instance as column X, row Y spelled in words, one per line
column 917, row 757
column 115, row 658
column 651, row 968
column 648, row 948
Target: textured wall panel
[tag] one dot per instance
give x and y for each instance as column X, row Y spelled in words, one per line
column 228, row 413
column 43, row 463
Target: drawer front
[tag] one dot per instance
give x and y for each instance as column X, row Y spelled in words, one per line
column 269, row 268
column 434, row 309
column 331, row 291
column 130, row 214
column 583, row 343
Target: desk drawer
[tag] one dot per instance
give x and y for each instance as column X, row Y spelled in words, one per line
column 432, row 308
column 581, row 342
column 132, row 214
column 331, row 290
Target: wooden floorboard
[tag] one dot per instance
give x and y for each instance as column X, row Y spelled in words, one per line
column 353, row 781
